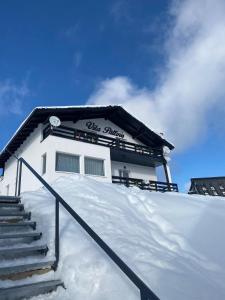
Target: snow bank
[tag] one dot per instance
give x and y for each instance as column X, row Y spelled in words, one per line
column 174, row 242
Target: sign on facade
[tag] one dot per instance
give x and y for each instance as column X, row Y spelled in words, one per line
column 107, row 129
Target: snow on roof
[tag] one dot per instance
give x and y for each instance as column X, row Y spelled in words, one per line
column 73, row 106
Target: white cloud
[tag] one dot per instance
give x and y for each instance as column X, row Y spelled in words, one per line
column 192, row 82
column 77, row 59
column 70, row 32
column 120, row 11
column 12, row 96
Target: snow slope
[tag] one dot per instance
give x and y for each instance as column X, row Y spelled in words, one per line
column 174, row 242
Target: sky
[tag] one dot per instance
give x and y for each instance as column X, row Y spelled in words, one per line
column 164, row 61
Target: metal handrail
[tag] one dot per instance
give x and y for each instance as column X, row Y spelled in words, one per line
column 145, row 292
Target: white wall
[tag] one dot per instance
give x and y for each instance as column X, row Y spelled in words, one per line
column 33, row 149
column 55, row 144
column 136, row 171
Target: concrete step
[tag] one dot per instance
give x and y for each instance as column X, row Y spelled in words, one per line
column 12, row 253
column 9, row 199
column 13, row 206
column 17, row 225
column 21, row 271
column 22, row 235
column 29, row 290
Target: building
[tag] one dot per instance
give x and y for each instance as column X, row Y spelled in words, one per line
column 104, row 142
column 212, row 186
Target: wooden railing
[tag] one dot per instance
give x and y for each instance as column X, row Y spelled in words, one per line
column 102, row 140
column 151, row 185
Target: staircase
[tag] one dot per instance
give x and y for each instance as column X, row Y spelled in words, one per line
column 19, row 242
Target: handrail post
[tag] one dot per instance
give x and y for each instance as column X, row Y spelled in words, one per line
column 19, row 178
column 17, row 174
column 56, row 234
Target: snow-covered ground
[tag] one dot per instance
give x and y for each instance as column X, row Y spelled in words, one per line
column 174, row 242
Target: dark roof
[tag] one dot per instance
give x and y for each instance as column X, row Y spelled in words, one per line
column 208, row 178
column 116, row 114
column 213, row 186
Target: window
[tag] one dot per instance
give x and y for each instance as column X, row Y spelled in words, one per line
column 67, row 163
column 94, row 166
column 44, row 161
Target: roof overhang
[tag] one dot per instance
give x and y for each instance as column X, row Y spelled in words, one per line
column 116, row 114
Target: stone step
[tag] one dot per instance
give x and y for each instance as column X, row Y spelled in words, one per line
column 17, row 225
column 9, row 253
column 9, row 199
column 7, row 213
column 29, row 290
column 13, row 206
column 21, row 271
column 22, row 235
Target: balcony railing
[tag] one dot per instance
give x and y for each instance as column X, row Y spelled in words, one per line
column 151, row 185
column 102, row 140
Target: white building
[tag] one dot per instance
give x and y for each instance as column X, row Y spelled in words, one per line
column 104, row 142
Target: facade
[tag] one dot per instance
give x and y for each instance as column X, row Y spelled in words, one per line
column 103, row 142
column 212, row 186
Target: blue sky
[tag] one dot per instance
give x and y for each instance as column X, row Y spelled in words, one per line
column 163, row 60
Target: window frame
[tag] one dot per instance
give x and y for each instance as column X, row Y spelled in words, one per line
column 95, row 158
column 69, row 154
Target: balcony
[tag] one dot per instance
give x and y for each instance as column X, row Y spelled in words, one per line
column 120, row 150
column 157, row 186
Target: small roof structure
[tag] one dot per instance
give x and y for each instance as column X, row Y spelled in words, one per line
column 116, row 114
column 213, row 186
